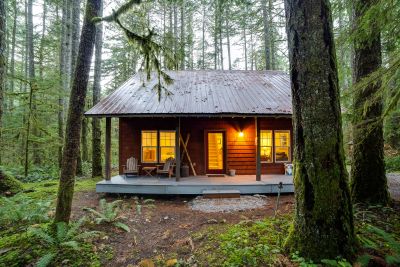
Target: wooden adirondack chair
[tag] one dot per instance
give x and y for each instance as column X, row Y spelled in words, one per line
column 167, row 167
column 131, row 167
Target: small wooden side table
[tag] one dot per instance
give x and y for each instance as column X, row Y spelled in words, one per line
column 148, row 171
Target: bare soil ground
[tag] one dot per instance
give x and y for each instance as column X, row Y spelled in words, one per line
column 164, row 230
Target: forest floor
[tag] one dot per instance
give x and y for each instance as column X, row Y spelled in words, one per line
column 169, row 229
column 165, row 230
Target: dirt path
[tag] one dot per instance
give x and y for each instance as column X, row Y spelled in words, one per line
column 165, row 230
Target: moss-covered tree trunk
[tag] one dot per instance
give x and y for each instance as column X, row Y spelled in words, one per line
column 76, row 107
column 323, row 224
column 97, row 169
column 2, row 63
column 368, row 177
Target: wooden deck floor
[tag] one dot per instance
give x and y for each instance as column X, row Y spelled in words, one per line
column 246, row 184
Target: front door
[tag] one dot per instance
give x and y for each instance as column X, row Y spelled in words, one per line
column 215, row 152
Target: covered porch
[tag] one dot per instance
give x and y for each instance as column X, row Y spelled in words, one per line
column 195, row 185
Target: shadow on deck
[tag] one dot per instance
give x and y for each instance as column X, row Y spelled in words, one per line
column 195, row 185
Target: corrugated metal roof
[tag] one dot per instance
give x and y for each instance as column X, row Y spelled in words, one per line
column 201, row 92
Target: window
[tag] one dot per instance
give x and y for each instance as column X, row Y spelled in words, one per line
column 157, row 147
column 149, row 146
column 282, row 146
column 167, row 145
column 266, row 145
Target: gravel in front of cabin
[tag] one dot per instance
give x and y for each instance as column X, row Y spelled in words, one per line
column 394, row 185
column 228, row 204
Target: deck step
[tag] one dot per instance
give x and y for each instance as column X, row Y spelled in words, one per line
column 221, row 193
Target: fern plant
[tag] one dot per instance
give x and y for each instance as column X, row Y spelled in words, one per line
column 372, row 237
column 110, row 213
column 140, row 204
column 62, row 238
column 21, row 209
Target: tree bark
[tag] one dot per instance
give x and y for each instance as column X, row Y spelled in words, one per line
column 97, row 167
column 368, row 183
column 75, row 114
column 228, row 41
column 266, row 33
column 2, row 65
column 182, row 42
column 323, row 224
column 12, row 61
column 32, row 80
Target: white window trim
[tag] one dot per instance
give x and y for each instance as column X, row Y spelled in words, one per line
column 271, row 146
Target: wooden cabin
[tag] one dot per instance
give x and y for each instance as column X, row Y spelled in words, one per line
column 214, row 122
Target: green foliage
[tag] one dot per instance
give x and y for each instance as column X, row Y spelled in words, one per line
column 392, row 164
column 21, row 209
column 143, row 203
column 9, row 184
column 247, row 243
column 36, row 173
column 377, row 239
column 61, row 242
column 109, row 213
column 378, row 230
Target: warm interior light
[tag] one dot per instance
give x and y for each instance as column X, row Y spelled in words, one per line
column 241, row 134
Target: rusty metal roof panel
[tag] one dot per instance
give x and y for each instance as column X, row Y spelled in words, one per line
column 201, row 92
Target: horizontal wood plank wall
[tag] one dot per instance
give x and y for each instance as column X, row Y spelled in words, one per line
column 240, row 151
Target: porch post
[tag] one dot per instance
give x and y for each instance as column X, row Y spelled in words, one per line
column 108, row 150
column 178, row 151
column 258, row 150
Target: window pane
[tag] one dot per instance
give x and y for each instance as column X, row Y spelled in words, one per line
column 282, row 154
column 266, row 153
column 167, row 145
column 167, row 152
column 282, row 138
column 149, row 138
column 266, row 138
column 149, row 154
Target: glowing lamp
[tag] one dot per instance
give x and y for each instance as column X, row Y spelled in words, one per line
column 241, row 134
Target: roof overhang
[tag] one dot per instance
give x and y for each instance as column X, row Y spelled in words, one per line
column 182, row 115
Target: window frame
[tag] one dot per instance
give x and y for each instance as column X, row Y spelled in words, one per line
column 271, row 146
column 159, row 144
column 289, row 147
column 142, row 146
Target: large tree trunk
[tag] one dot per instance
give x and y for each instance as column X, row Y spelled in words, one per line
column 75, row 114
column 368, row 183
column 12, row 61
column 266, row 34
column 97, row 167
column 323, row 224
column 228, row 32
column 32, row 80
column 65, row 64
column 2, row 64
column 182, row 42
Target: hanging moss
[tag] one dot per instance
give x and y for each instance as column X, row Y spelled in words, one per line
column 9, row 184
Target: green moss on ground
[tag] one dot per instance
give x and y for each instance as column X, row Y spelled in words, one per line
column 8, row 184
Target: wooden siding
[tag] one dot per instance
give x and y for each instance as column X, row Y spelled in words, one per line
column 240, row 152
